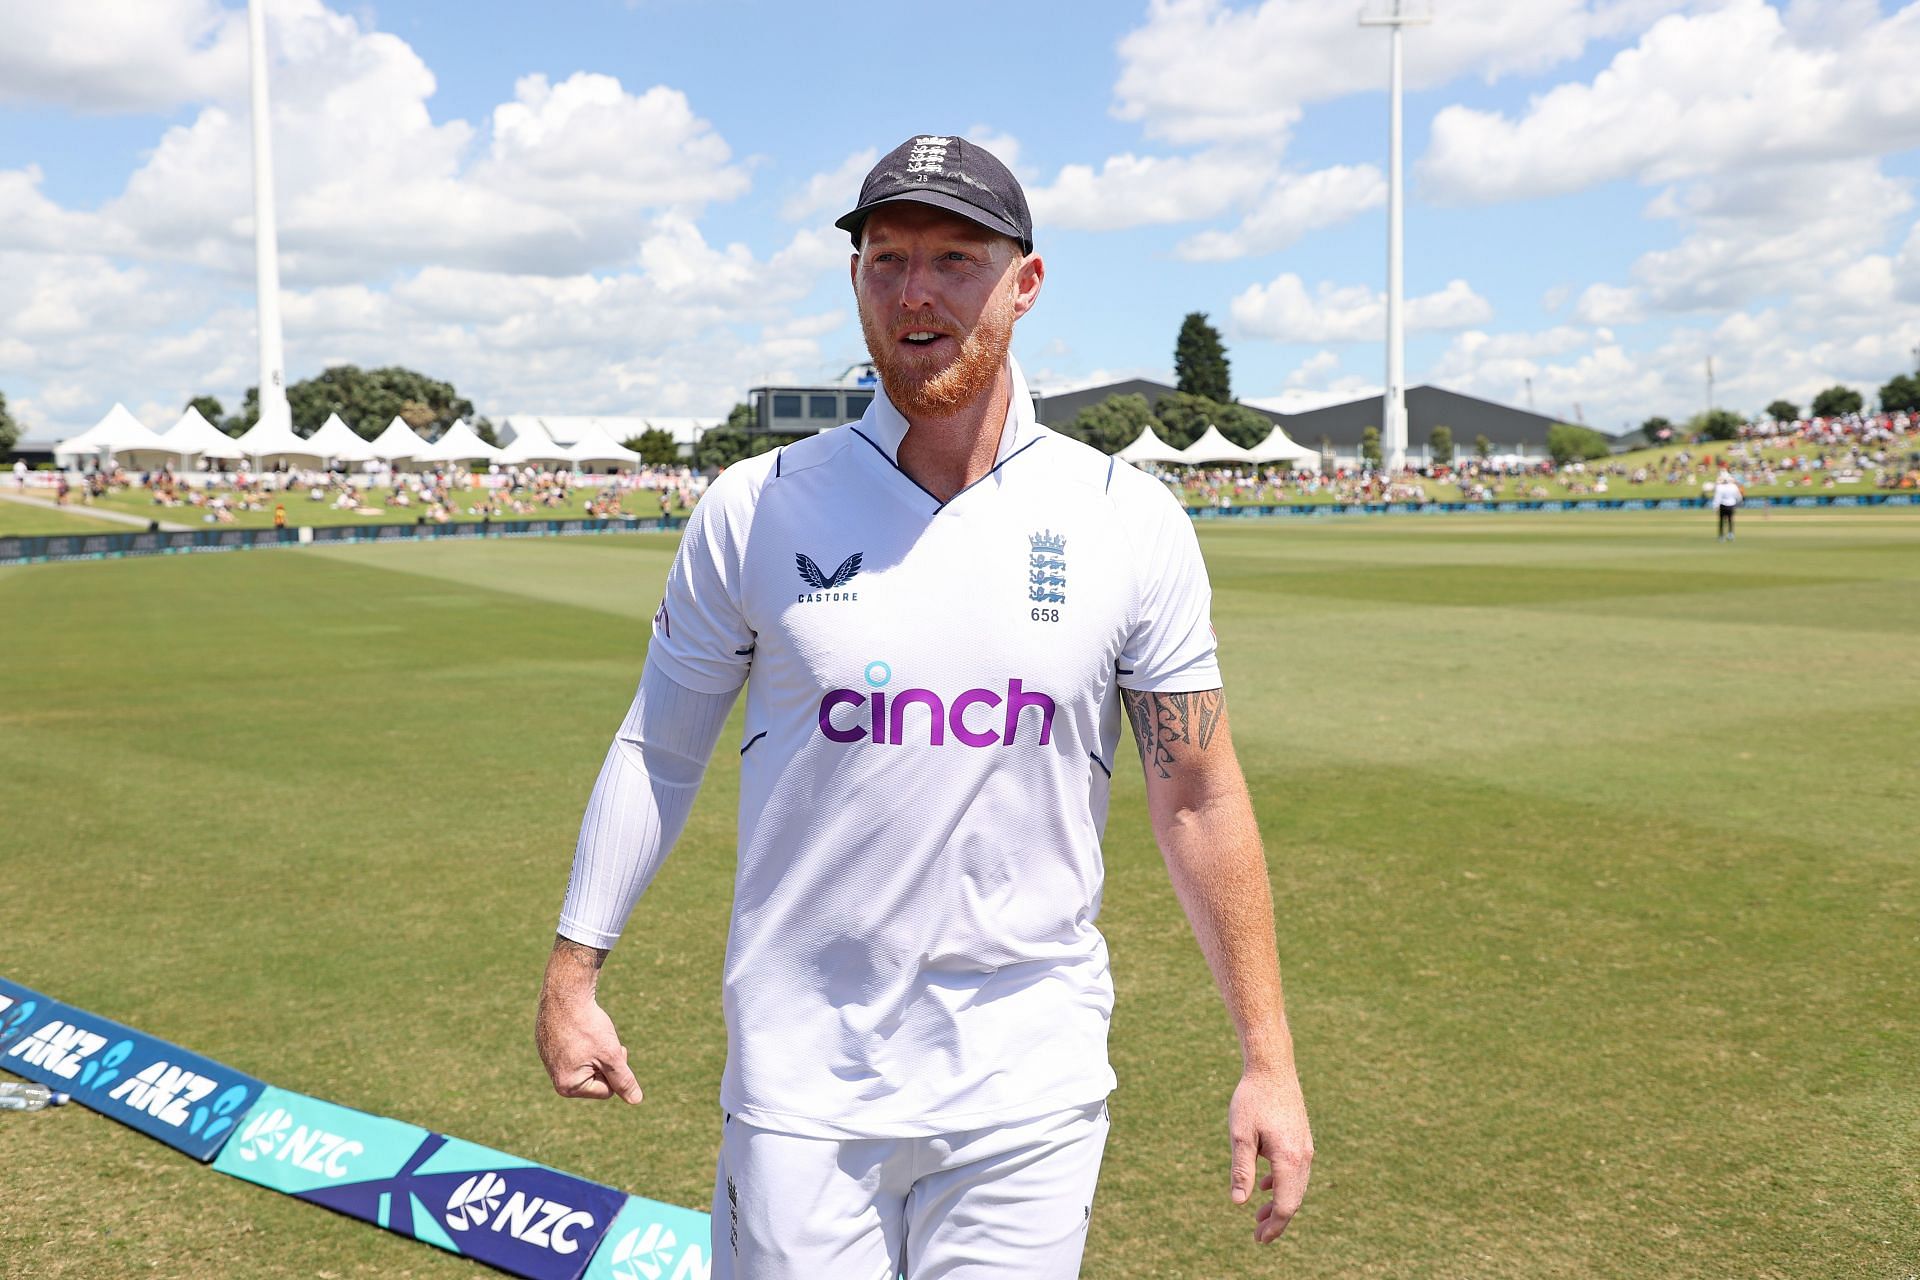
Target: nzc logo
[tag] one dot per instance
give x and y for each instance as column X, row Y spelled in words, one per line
column 532, row 1220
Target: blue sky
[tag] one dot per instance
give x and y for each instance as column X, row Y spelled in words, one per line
column 617, row 207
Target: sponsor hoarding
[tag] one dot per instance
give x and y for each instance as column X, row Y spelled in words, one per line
column 654, row 1241
column 301, row 1145
column 496, row 1208
column 189, row 1102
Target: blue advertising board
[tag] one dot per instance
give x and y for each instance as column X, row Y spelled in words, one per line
column 301, row 1145
column 21, row 1010
column 509, row 1212
column 496, row 1208
column 655, row 1241
column 189, row 1102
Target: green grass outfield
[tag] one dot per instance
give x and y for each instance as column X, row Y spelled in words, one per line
column 45, row 519
column 1594, row 842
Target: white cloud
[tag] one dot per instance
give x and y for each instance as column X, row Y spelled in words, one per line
column 1718, row 91
column 1294, row 205
column 1004, row 146
column 1302, row 400
column 833, row 192
column 1609, row 304
column 367, row 181
column 588, row 145
column 1768, row 233
column 1315, row 383
column 1285, row 312
column 136, row 55
column 1314, row 371
column 1199, row 71
column 1859, row 333
column 1135, row 191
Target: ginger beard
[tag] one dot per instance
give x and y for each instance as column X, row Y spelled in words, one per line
column 916, row 385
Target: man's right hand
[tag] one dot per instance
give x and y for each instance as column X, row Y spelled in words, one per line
column 582, row 1052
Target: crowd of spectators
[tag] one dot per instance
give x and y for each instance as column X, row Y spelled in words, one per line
column 1870, row 450
column 435, row 497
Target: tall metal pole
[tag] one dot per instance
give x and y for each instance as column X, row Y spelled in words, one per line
column 1393, row 427
column 266, row 249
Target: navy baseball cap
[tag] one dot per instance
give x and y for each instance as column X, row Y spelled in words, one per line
column 948, row 173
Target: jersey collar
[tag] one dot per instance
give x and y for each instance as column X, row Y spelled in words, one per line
column 884, row 425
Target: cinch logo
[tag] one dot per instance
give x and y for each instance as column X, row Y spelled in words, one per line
column 163, row 1092
column 646, row 1255
column 274, row 1136
column 882, row 719
column 536, row 1221
column 59, row 1047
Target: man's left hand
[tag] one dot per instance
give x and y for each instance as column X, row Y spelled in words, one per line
column 1268, row 1117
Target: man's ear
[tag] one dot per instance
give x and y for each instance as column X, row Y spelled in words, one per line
column 1026, row 284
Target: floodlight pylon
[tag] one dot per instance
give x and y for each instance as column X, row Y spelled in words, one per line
column 1393, row 426
column 266, row 248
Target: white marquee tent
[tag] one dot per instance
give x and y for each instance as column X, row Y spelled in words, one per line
column 194, row 437
column 339, row 442
column 531, row 443
column 1278, row 448
column 271, row 440
column 398, row 442
column 1214, row 447
column 597, row 446
column 119, row 435
column 458, row 444
column 1149, row 447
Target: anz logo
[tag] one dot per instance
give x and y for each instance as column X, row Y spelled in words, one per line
column 163, row 1092
column 63, row 1049
column 531, row 1220
column 646, row 1253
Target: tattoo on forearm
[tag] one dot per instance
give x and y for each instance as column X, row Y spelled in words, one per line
column 1161, row 719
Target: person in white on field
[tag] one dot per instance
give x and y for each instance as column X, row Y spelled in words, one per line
column 940, row 614
column 1726, row 496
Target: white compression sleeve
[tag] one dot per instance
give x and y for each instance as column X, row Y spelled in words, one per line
column 640, row 803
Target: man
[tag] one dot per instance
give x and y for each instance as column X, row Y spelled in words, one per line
column 942, row 608
column 1726, row 496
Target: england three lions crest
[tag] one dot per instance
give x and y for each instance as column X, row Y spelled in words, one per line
column 1047, row 568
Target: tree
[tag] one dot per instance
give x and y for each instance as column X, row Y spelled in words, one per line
column 1657, row 429
column 210, row 408
column 1111, row 425
column 1836, row 402
column 9, row 429
column 1715, row 424
column 1900, row 395
column 1440, row 445
column 368, row 399
column 1568, row 443
column 742, row 418
column 720, row 447
column 1370, row 447
column 655, row 447
column 1482, row 448
column 1783, row 411
column 1185, row 418
column 1200, row 360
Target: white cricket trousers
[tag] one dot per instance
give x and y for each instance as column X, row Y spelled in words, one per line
column 1010, row 1202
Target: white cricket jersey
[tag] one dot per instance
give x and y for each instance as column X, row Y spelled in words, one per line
column 932, row 718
